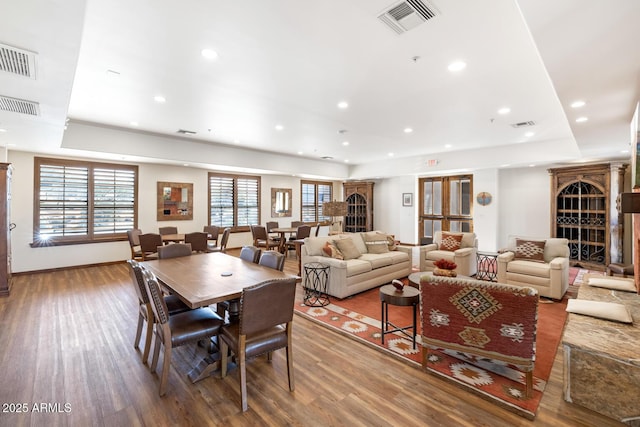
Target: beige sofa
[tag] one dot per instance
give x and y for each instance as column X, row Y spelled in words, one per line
column 362, row 269
column 465, row 257
column 550, row 275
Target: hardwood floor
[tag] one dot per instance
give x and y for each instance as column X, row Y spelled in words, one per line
column 66, row 340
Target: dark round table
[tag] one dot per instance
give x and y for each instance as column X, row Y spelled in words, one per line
column 409, row 296
column 315, row 284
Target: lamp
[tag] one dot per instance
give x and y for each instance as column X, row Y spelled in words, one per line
column 334, row 209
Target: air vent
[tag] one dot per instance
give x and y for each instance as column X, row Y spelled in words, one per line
column 21, row 106
column 523, row 124
column 407, row 14
column 17, row 61
column 326, row 158
column 186, row 132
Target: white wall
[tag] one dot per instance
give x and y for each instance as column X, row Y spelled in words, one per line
column 485, row 218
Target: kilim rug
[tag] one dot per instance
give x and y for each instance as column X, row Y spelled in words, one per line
column 358, row 317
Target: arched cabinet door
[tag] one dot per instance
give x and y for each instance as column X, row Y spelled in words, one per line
column 359, row 198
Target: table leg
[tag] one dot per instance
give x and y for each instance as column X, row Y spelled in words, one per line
column 415, row 307
column 205, row 367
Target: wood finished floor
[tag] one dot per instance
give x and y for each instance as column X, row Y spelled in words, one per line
column 66, row 338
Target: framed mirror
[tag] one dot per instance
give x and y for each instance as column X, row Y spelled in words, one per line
column 280, row 202
column 175, row 201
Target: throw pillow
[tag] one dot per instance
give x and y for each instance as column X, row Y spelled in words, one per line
column 348, row 248
column 600, row 309
column 376, row 244
column 529, row 250
column 331, row 251
column 450, row 242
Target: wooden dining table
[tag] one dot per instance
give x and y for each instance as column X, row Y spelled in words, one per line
column 283, row 239
column 204, row 279
column 172, row 238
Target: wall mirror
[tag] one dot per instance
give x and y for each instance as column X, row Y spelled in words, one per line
column 280, row 202
column 175, row 201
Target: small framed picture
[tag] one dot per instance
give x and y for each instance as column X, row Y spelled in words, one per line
column 407, row 199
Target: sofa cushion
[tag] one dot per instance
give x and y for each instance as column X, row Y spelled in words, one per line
column 357, row 266
column 348, row 248
column 314, row 245
column 376, row 260
column 600, row 309
column 397, row 257
column 529, row 250
column 332, row 251
column 450, row 242
column 437, row 255
column 376, row 243
column 530, row 268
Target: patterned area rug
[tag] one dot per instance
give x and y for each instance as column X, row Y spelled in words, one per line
column 358, row 317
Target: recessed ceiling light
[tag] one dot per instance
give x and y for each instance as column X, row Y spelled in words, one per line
column 624, row 151
column 529, row 134
column 577, row 104
column 209, row 54
column 504, row 110
column 345, row 143
column 159, row 99
column 2, row 130
column 279, row 127
column 408, row 130
column 300, row 153
column 581, row 119
column 531, row 166
column 236, row 141
column 133, row 123
column 185, row 164
column 343, row 104
column 390, row 154
column 448, row 146
column 457, row 66
column 505, row 165
column 346, row 160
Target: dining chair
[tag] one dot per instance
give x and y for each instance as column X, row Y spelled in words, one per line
column 174, row 250
column 149, row 244
column 167, row 230
column 145, row 313
column 250, row 253
column 223, row 242
column 261, row 239
column 272, row 259
column 212, row 231
column 302, row 232
column 295, row 224
column 198, row 241
column 270, row 225
column 266, row 316
column 178, row 329
column 134, row 243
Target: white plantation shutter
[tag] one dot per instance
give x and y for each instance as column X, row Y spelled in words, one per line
column 113, row 200
column 314, row 194
column 234, row 201
column 247, row 202
column 64, row 201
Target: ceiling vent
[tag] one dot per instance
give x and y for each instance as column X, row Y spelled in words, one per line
column 21, row 106
column 17, row 61
column 326, row 158
column 407, row 14
column 523, row 124
column 186, row 132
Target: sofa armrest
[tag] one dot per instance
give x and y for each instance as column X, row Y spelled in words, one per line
column 406, row 249
column 427, row 248
column 464, row 252
column 505, row 257
column 559, row 263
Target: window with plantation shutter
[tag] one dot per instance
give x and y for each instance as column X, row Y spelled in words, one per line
column 80, row 202
column 314, row 194
column 234, row 201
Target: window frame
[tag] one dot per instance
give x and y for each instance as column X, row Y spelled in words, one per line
column 445, row 216
column 91, row 236
column 317, row 206
column 235, row 177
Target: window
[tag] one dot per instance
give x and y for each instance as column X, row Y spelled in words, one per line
column 314, row 194
column 445, row 204
column 81, row 202
column 234, row 201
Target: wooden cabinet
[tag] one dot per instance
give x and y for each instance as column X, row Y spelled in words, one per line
column 359, row 198
column 583, row 210
column 5, row 229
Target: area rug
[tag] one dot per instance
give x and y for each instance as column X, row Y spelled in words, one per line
column 358, row 317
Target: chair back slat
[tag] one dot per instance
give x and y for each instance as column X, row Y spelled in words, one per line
column 266, row 305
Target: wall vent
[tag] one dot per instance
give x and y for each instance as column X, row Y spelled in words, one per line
column 407, row 14
column 17, row 61
column 21, row 106
column 523, row 124
column 186, row 132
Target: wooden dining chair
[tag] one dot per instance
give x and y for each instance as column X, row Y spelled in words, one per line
column 174, row 250
column 134, row 243
column 178, row 329
column 212, row 231
column 295, row 224
column 223, row 242
column 250, row 253
column 302, row 232
column 270, row 225
column 149, row 244
column 272, row 259
column 145, row 313
column 167, row 230
column 266, row 316
column 198, row 241
column 261, row 239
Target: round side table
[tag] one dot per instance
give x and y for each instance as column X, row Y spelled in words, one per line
column 316, row 277
column 409, row 296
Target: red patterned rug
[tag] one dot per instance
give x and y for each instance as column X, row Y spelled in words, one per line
column 358, row 317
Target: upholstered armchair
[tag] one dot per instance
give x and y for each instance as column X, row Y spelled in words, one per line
column 458, row 247
column 540, row 263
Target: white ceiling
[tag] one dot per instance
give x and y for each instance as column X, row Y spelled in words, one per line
column 290, row 62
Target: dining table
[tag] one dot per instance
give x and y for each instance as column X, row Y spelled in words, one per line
column 172, row 238
column 283, row 239
column 209, row 278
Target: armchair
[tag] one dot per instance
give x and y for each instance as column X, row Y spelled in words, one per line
column 462, row 251
column 539, row 263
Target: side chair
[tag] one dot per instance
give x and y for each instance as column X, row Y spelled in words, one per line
column 178, row 329
column 272, row 259
column 212, row 235
column 198, row 241
column 174, row 250
column 149, row 244
column 261, row 239
column 167, row 230
column 223, row 242
column 134, row 242
column 266, row 317
column 250, row 253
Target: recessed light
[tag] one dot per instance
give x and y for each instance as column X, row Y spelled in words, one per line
column 236, row 141
column 504, row 110
column 346, row 160
column 185, row 164
column 160, row 99
column 582, row 119
column 505, row 165
column 529, row 134
column 457, row 66
column 133, row 123
column 408, row 130
column 343, row 104
column 390, row 154
column 448, row 146
column 300, row 153
column 209, row 54
column 2, row 130
column 577, row 104
column 531, row 166
column 624, row 151
column 345, row 143
column 279, row 127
